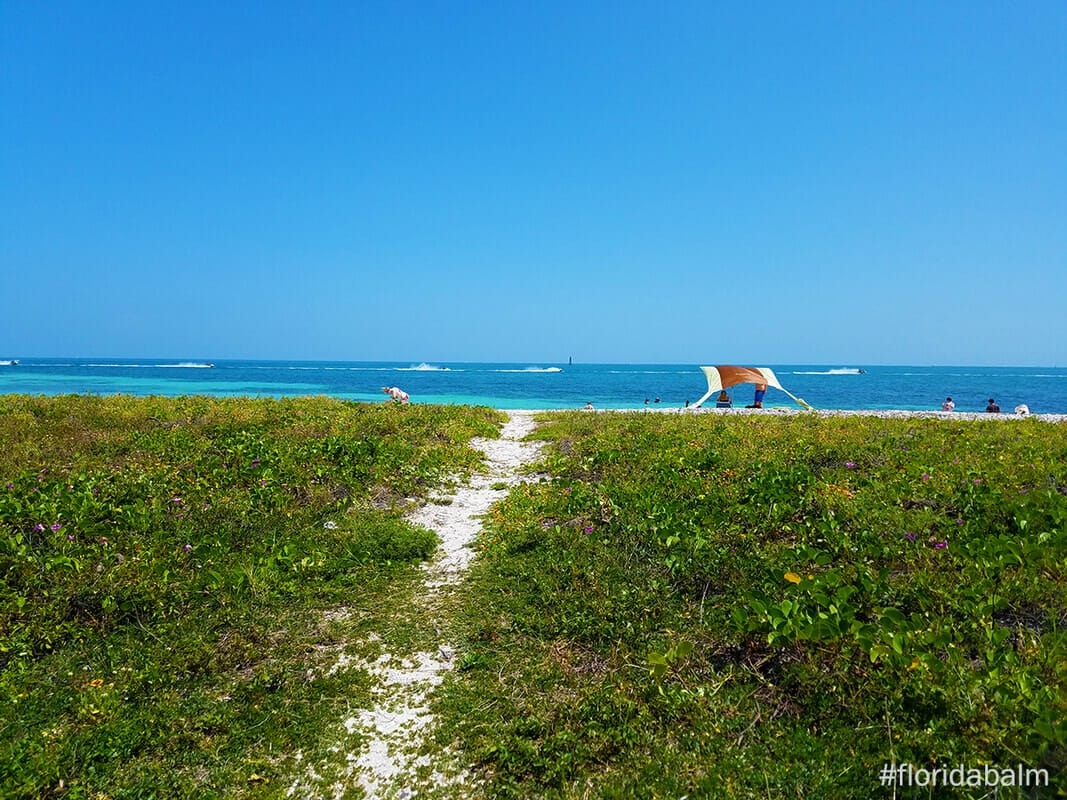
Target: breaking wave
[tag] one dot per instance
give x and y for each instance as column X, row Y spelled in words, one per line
column 839, row 371
column 182, row 365
column 530, row 369
column 423, row 367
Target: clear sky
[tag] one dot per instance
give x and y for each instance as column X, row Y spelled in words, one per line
column 688, row 182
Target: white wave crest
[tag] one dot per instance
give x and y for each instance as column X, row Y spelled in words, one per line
column 183, row 365
column 423, row 367
column 839, row 371
column 531, row 369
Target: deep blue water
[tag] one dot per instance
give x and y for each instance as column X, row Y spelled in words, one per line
column 525, row 385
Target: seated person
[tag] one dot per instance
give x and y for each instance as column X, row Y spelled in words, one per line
column 948, row 405
column 723, row 400
column 992, row 408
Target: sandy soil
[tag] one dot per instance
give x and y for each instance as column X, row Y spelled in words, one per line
column 400, row 719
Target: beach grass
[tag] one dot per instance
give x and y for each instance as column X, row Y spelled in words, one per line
column 767, row 607
column 183, row 580
column 671, row 605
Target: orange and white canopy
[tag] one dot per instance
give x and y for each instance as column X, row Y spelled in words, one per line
column 723, row 377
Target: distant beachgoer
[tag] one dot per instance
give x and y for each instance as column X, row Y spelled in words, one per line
column 588, row 406
column 948, row 405
column 1022, row 408
column 656, row 400
column 761, row 390
column 396, row 394
column 687, row 403
column 646, row 401
column 992, row 408
column 723, row 400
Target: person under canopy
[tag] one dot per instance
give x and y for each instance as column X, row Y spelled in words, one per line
column 723, row 377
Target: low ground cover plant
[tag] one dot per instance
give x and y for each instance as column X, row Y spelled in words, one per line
column 776, row 607
column 165, row 566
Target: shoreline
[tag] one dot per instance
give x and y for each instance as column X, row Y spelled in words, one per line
column 794, row 412
column 778, row 411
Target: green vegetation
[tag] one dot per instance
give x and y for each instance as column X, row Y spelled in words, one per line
column 685, row 605
column 767, row 607
column 177, row 577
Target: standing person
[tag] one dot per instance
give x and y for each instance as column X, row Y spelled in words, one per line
column 396, row 394
column 761, row 390
column 992, row 408
column 948, row 405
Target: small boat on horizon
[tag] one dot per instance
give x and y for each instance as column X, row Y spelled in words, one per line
column 11, row 362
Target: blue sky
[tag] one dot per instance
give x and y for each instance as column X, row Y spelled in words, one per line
column 826, row 183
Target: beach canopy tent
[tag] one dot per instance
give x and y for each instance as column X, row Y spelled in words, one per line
column 724, row 377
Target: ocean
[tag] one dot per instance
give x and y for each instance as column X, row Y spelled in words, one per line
column 555, row 386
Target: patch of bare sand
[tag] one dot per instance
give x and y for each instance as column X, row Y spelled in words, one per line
column 396, row 726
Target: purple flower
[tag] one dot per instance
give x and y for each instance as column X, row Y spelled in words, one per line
column 103, row 540
column 56, row 527
column 941, row 545
column 38, row 528
column 10, row 485
column 188, row 548
column 176, row 500
column 262, row 483
column 568, row 490
column 926, row 476
column 910, row 536
column 588, row 528
column 959, row 522
column 850, row 464
column 70, row 537
column 255, row 462
column 976, row 481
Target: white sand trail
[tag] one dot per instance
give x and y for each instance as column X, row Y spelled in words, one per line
column 400, row 719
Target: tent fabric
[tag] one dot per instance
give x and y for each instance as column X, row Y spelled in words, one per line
column 723, row 377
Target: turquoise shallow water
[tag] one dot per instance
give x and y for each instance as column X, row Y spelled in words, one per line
column 526, row 385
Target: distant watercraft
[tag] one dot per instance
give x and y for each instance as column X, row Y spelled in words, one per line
column 9, row 363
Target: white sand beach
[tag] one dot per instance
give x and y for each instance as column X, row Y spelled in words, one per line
column 793, row 412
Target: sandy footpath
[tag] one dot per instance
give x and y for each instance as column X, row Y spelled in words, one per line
column 400, row 719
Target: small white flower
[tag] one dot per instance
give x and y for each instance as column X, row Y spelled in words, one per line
column 330, row 525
